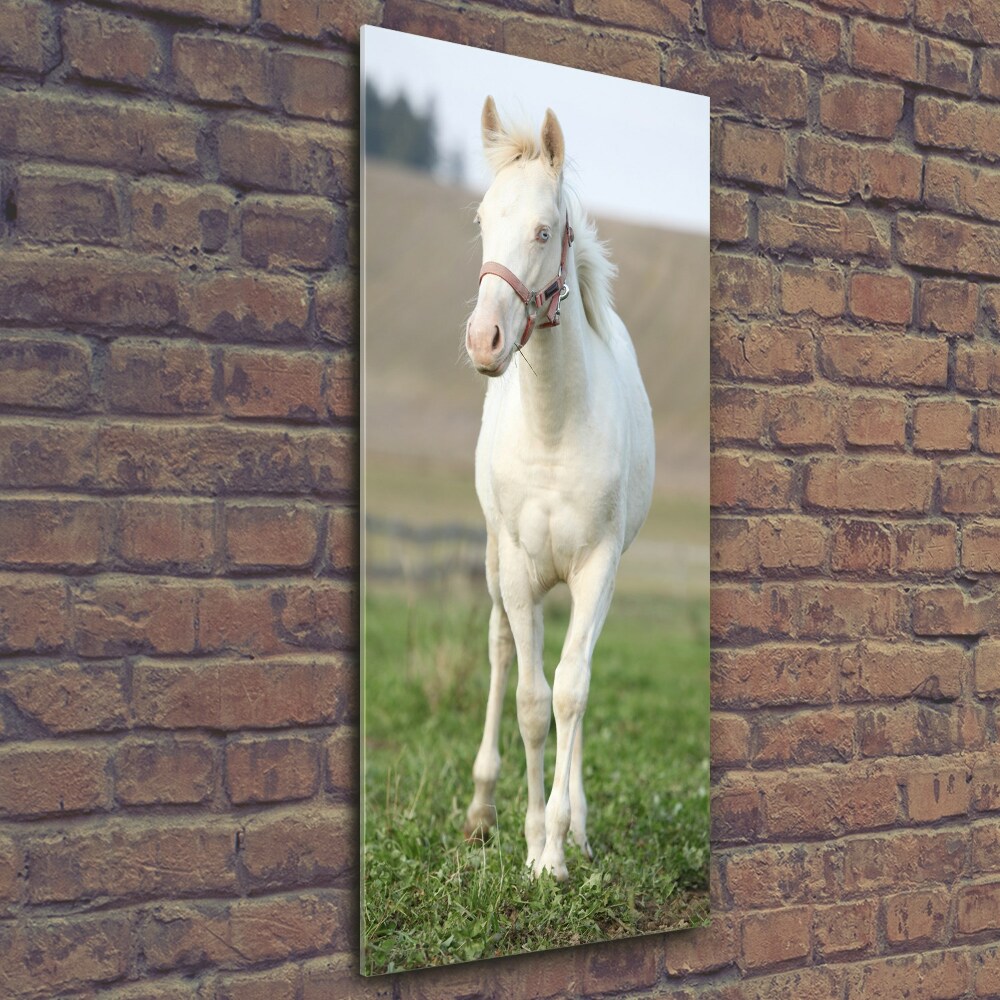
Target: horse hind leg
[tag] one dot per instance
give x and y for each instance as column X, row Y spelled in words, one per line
column 481, row 814
column 577, row 798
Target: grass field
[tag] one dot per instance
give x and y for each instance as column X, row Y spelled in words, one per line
column 432, row 899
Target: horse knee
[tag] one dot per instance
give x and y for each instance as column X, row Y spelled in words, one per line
column 534, row 709
column 570, row 688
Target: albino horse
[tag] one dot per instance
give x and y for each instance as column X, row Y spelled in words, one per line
column 564, row 465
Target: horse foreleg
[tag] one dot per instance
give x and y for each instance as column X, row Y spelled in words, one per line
column 591, row 589
column 577, row 798
column 482, row 812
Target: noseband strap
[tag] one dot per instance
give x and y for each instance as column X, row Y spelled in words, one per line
column 553, row 293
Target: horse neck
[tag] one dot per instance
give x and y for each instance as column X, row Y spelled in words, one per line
column 555, row 382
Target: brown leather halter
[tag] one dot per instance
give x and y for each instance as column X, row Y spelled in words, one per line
column 553, row 293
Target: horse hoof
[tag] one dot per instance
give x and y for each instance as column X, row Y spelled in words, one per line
column 477, row 832
column 588, row 850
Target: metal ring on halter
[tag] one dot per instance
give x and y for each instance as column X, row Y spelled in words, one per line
column 563, row 293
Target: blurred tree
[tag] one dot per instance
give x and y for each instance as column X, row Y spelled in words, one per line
column 394, row 131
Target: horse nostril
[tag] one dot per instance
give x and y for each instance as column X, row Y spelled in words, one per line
column 496, row 337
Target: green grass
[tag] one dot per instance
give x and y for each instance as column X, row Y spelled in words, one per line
column 432, row 899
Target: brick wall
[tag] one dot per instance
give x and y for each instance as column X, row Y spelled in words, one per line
column 178, row 675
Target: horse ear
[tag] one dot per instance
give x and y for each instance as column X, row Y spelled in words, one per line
column 553, row 143
column 492, row 129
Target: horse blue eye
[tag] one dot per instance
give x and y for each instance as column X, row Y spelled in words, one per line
column 543, row 235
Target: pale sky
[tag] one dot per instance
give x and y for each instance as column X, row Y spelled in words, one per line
column 636, row 152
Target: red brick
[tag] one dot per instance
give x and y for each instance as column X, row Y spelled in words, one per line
column 730, row 215
column 989, row 429
column 981, row 547
column 973, row 20
column 100, row 131
column 790, row 543
column 702, row 949
column 859, row 107
column 337, row 307
column 192, row 935
column 970, row 488
column 342, row 760
column 991, row 309
column 116, row 615
column 219, row 458
column 896, row 485
column 875, row 421
column 917, row 918
column 149, row 376
column 741, row 612
column 634, row 57
column 829, row 167
column 735, row 815
column 776, row 936
column 741, row 285
column 845, row 928
column 270, row 536
column 848, row 611
column 273, row 984
column 48, row 956
column 103, row 46
column 930, row 547
column 730, row 740
column 165, row 772
column 274, row 384
column 774, row 29
column 48, row 288
column 79, row 206
column 272, row 770
column 804, row 737
column 180, row 218
column 307, row 158
column 885, row 359
column 988, row 667
column 978, row 908
column 943, row 974
column 989, row 73
column 812, row 289
column 896, row 10
column 763, row 351
column 236, row 694
column 29, row 38
column 45, row 533
column 752, row 482
column 895, row 860
column 772, row 676
column 49, row 780
column 68, row 697
column 873, row 671
column 885, row 49
column 964, row 126
column 822, row 230
column 321, row 19
column 34, row 613
column 985, row 787
column 733, row 546
column 881, row 298
column 122, row 860
column 340, row 386
column 808, row 421
column 824, row 803
column 962, row 188
column 773, row 875
column 942, row 425
column 765, row 87
column 738, row 415
column 159, row 533
column 933, row 795
column 342, row 540
column 242, row 307
column 316, row 86
column 746, row 153
column 951, row 611
column 948, row 66
column 289, row 848
column 948, row 306
column 236, row 13
column 891, row 174
column 282, row 232
column 861, row 547
column 628, row 963
column 44, row 371
column 223, row 69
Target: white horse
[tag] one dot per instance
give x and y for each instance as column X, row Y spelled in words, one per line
column 564, row 465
